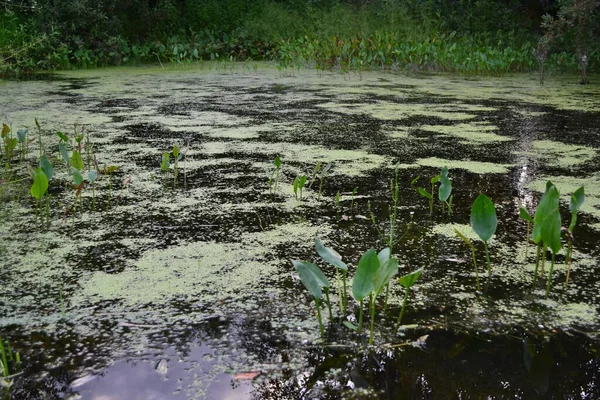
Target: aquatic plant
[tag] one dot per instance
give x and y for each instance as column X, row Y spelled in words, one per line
column 445, row 190
column 428, row 195
column 299, row 183
column 320, row 172
column 176, row 157
column 274, row 179
column 407, row 281
column 473, row 249
column 10, row 364
column 547, row 227
column 354, row 191
column 23, row 143
column 364, row 280
column 314, row 280
column 9, row 144
column 39, row 128
column 577, row 199
column 39, row 188
column 484, row 223
column 92, row 177
column 334, row 258
column 388, row 268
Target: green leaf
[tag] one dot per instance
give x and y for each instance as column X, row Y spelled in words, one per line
column 383, row 256
column 548, row 204
column 62, row 148
column 524, row 214
column 425, row 193
column 37, row 123
column 92, row 176
column 415, row 180
column 444, row 174
column 435, row 179
column 577, row 199
column 385, row 273
column 77, row 177
column 40, row 184
column 22, row 135
column 409, row 279
column 175, row 151
column 330, row 255
column 76, row 160
column 551, row 225
column 464, row 238
column 166, row 162
column 362, row 285
column 445, row 189
column 46, row 166
column 350, row 325
column 62, row 136
column 312, row 277
column 277, row 162
column 5, row 130
column 483, row 217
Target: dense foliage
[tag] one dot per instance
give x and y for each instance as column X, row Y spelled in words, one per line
column 474, row 36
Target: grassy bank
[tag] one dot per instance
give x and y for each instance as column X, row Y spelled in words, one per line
column 471, row 37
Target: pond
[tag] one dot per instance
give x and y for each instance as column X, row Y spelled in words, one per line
column 176, row 282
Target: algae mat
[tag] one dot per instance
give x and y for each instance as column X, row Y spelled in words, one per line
column 176, row 282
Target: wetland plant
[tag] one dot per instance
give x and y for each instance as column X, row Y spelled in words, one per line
column 334, row 258
column 547, row 226
column 407, row 281
column 315, row 281
column 109, row 171
column 10, row 364
column 445, row 190
column 484, row 223
column 426, row 194
column 274, row 179
column 9, row 144
column 321, row 173
column 299, row 183
column 176, row 157
column 39, row 188
column 23, row 143
column 577, row 199
column 364, row 280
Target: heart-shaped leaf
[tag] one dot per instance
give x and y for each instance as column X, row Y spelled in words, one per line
column 385, row 273
column 483, row 217
column 362, row 284
column 409, row 279
column 312, row 277
column 40, row 184
column 46, row 166
column 76, row 160
column 330, row 255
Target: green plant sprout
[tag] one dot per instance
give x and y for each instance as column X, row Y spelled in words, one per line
column 39, row 128
column 445, row 190
column 10, row 364
column 426, row 194
column 315, row 172
column 333, row 258
column 364, row 280
column 314, row 280
column 9, row 144
column 524, row 214
column 23, row 143
column 48, row 169
column 39, row 188
column 577, row 199
column 547, row 226
column 274, row 179
column 92, row 177
column 484, row 223
column 407, row 281
column 354, row 191
column 321, row 172
column 165, row 165
column 470, row 244
column 537, row 232
column 299, row 183
column 388, row 268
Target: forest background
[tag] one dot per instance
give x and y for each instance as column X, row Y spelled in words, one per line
column 468, row 36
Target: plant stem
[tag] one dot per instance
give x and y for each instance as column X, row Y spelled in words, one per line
column 402, row 311
column 476, row 270
column 372, row 303
column 527, row 241
column 339, row 289
column 328, row 304
column 568, row 259
column 537, row 262
column 487, row 257
column 321, row 328
column 344, row 273
column 549, row 283
column 360, row 317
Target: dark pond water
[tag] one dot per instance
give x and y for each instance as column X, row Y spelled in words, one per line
column 164, row 288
